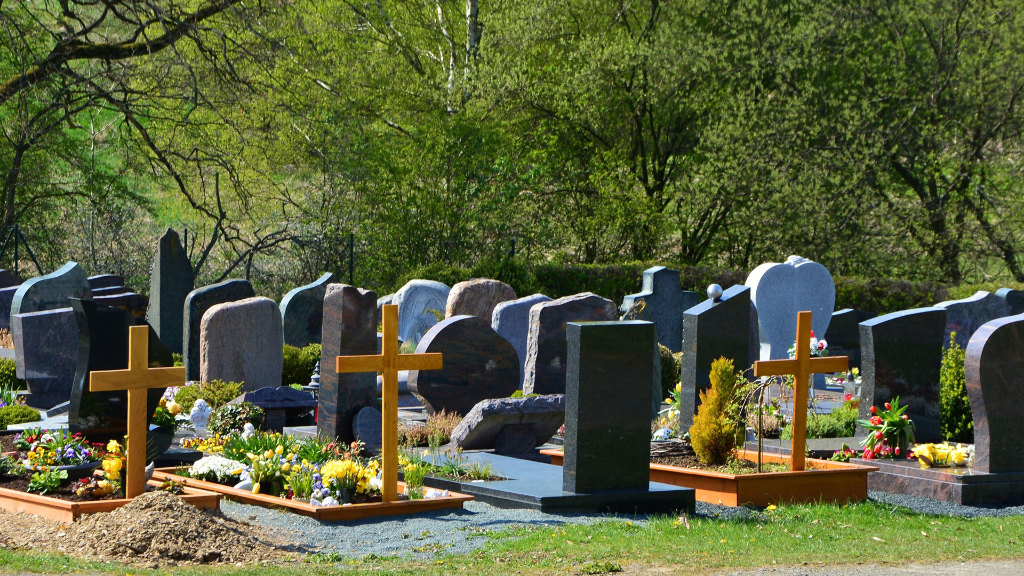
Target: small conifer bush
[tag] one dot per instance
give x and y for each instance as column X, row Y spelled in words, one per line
column 713, row 433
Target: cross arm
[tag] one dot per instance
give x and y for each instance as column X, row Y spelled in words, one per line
column 114, row 380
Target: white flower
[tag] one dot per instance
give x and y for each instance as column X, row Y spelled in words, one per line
column 216, row 467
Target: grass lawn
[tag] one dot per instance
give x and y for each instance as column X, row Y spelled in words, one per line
column 868, row 532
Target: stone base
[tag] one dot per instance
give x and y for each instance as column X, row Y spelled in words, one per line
column 959, row 485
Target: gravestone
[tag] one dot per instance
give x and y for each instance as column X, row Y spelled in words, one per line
column 478, row 364
column 510, row 425
column 282, row 404
column 664, row 302
column 383, row 300
column 546, row 345
column 419, row 302
column 512, row 321
column 51, row 291
column 105, row 281
column 779, row 291
column 46, row 345
column 241, row 342
column 477, row 297
column 169, row 285
column 967, row 315
column 713, row 329
column 197, row 302
column 349, row 329
column 6, row 300
column 607, row 406
column 108, row 291
column 843, row 335
column 900, row 356
column 137, row 304
column 367, row 427
column 993, row 367
column 9, row 278
column 1014, row 299
column 302, row 312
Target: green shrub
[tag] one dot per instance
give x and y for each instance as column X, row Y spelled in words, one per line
column 17, row 414
column 216, row 393
column 299, row 364
column 713, row 434
column 840, row 423
column 671, row 366
column 956, row 422
column 233, row 417
column 8, row 375
column 885, row 295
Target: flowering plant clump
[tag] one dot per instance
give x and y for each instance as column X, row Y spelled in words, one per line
column 842, row 379
column 166, row 414
column 843, row 454
column 24, row 440
column 210, row 445
column 268, row 469
column 818, row 347
column 216, row 469
column 944, row 454
column 668, row 417
column 58, row 448
column 890, row 431
column 346, row 481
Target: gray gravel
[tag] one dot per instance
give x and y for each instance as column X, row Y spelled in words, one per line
column 434, row 534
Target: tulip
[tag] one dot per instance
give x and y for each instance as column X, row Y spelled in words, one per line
column 878, row 435
column 874, row 409
column 888, row 406
column 905, row 417
column 279, row 450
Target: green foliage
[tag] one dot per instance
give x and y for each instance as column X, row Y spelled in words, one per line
column 232, row 417
column 299, row 364
column 17, row 414
column 216, row 393
column 671, row 367
column 956, row 421
column 840, row 423
column 8, row 375
column 883, row 295
column 177, row 359
column 713, row 433
column 519, row 394
column 10, row 466
column 237, row 447
column 47, row 481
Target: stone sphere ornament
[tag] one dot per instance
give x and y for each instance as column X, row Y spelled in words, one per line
column 715, row 292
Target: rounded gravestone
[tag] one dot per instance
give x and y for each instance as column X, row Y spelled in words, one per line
column 241, row 342
column 419, row 302
column 779, row 291
column 477, row 297
column 478, row 364
column 302, row 312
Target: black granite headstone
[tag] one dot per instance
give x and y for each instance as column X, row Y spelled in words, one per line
column 131, row 302
column 51, row 290
column 663, row 302
column 900, row 356
column 712, row 330
column 197, row 303
column 46, row 348
column 109, row 291
column 608, row 406
column 302, row 312
column 1014, row 299
column 349, row 328
column 993, row 365
column 283, row 405
column 105, row 281
column 843, row 334
column 6, row 300
column 9, row 278
column 169, row 286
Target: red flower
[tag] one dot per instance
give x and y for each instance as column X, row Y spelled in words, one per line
column 874, row 409
column 868, row 454
column 888, row 406
column 905, row 417
column 897, row 451
column 876, row 420
column 848, row 397
column 878, row 435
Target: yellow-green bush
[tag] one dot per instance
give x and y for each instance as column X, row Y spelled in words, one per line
column 956, row 421
column 17, row 414
column 216, row 393
column 713, row 433
column 299, row 364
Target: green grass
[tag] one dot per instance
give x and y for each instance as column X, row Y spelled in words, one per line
column 869, row 532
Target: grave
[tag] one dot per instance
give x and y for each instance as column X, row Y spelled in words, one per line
column 105, row 281
column 900, row 356
column 712, row 329
column 419, row 302
column 779, row 291
column 349, row 329
column 664, row 302
column 993, row 366
column 170, row 283
column 1014, row 299
column 51, row 290
column 197, row 302
column 282, row 405
column 843, row 334
column 477, row 297
column 478, row 364
column 302, row 312
column 510, row 426
column 240, row 341
column 46, row 348
column 546, row 344
column 967, row 315
column 512, row 321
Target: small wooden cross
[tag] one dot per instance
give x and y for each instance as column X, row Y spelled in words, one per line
column 137, row 380
column 801, row 369
column 389, row 363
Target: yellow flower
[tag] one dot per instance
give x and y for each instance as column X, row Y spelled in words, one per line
column 771, row 508
column 279, row 450
column 174, row 408
column 114, row 447
column 256, row 488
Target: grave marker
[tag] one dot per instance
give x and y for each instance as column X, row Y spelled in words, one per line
column 1014, row 299
column 993, row 367
column 302, row 312
column 240, row 341
column 664, row 303
column 6, row 300
column 546, row 345
column 9, row 278
column 46, row 348
column 418, row 302
column 350, row 328
column 169, row 286
column 512, row 321
column 843, row 335
column 196, row 304
column 105, row 281
column 779, row 291
column 51, row 290
column 477, row 297
column 967, row 315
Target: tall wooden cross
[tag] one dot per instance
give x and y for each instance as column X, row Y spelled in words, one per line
column 137, row 380
column 801, row 369
column 388, row 363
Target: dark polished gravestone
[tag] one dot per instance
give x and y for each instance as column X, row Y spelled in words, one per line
column 1014, row 299
column 349, row 328
column 9, row 278
column 843, row 334
column 6, row 300
column 136, row 304
column 478, row 364
column 302, row 312
column 993, row 366
column 196, row 304
column 512, row 321
column 51, row 290
column 545, row 344
column 109, row 291
column 901, row 354
column 366, row 427
column 510, row 426
column 664, row 302
column 711, row 330
column 967, row 315
column 46, row 353
column 105, row 281
column 283, row 405
column 169, row 285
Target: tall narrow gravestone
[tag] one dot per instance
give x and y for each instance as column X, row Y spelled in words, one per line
column 663, row 302
column 608, row 406
column 349, row 329
column 302, row 312
column 993, row 367
column 240, row 341
column 967, row 315
column 196, row 304
column 169, row 285
column 511, row 320
column 714, row 329
column 900, row 356
column 779, row 291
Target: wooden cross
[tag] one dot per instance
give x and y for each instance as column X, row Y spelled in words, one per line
column 801, row 369
column 389, row 363
column 137, row 380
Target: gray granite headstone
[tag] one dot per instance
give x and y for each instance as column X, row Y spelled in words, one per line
column 713, row 330
column 967, row 315
column 170, row 283
column 197, row 302
column 367, row 426
column 384, row 300
column 607, row 406
column 419, row 304
column 46, row 348
column 51, row 291
column 302, row 312
column 664, row 302
column 481, row 428
column 900, row 356
column 1014, row 299
column 512, row 321
column 993, row 367
column 105, row 281
column 240, row 341
column 546, row 346
column 478, row 364
column 6, row 300
column 9, row 278
column 349, row 328
column 779, row 291
column 477, row 297
column 843, row 335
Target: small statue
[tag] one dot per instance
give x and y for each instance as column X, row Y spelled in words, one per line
column 248, row 430
column 199, row 415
